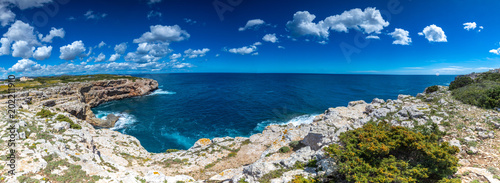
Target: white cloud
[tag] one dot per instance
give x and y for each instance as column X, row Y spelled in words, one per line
column 434, row 33
column 21, row 39
column 175, row 56
column 160, row 33
column 101, row 57
column 42, row 52
column 190, row 53
column 91, row 15
column 495, row 51
column 401, row 37
column 114, row 57
column 153, row 14
column 121, row 48
column 26, row 4
column 372, row 37
column 73, row 50
column 182, row 65
column 252, row 24
column 244, row 50
column 149, row 52
column 257, row 43
column 6, row 16
column 470, row 25
column 22, row 49
column 368, row 21
column 281, row 47
column 25, row 65
column 270, row 38
column 5, row 49
column 53, row 33
column 101, row 44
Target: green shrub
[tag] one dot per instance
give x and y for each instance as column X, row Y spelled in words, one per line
column 431, row 89
column 44, row 113
column 231, row 154
column 384, row 153
column 72, row 124
column 485, row 94
column 284, row 149
column 461, row 81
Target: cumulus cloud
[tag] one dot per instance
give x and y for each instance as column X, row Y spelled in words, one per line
column 101, row 57
column 255, row 23
column 149, row 52
column 160, row 33
column 114, row 57
column 73, row 50
column 175, row 56
column 434, row 33
column 401, row 37
column 244, row 50
column 101, row 44
column 22, row 49
column 270, row 38
column 42, row 53
column 91, row 15
column 6, row 16
column 368, row 21
column 25, row 65
column 119, row 51
column 181, row 65
column 53, row 33
column 190, row 53
column 20, row 38
column 121, row 48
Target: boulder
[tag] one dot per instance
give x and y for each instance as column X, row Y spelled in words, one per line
column 111, row 119
column 314, row 140
column 61, row 126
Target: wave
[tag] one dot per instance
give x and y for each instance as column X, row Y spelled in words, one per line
column 124, row 120
column 296, row 121
column 162, row 92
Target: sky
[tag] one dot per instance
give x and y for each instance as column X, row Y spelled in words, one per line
column 425, row 37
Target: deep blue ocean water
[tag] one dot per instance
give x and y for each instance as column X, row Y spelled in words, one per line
column 191, row 106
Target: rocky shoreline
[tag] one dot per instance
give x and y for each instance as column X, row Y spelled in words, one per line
column 50, row 150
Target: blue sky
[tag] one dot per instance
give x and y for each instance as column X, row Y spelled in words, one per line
column 53, row 37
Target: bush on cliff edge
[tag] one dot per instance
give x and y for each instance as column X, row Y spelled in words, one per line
column 384, row 153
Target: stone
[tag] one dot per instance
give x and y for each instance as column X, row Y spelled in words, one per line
column 314, row 140
column 49, row 103
column 61, row 126
column 111, row 119
column 455, row 142
column 354, row 103
column 377, row 101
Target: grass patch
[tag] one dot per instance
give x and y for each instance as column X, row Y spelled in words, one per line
column 72, row 124
column 44, row 113
column 284, row 149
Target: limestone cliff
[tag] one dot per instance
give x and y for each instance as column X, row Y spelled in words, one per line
column 78, row 98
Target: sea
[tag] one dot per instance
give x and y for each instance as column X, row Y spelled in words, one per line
column 190, row 106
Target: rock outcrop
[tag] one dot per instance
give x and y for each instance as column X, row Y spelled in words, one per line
column 78, row 98
column 104, row 155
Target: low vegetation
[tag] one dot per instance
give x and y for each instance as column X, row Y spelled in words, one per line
column 42, row 82
column 482, row 92
column 384, row 153
column 72, row 124
column 44, row 113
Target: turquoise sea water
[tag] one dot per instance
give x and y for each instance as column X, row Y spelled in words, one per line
column 187, row 107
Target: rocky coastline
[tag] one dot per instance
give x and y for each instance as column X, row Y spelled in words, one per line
column 51, row 151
